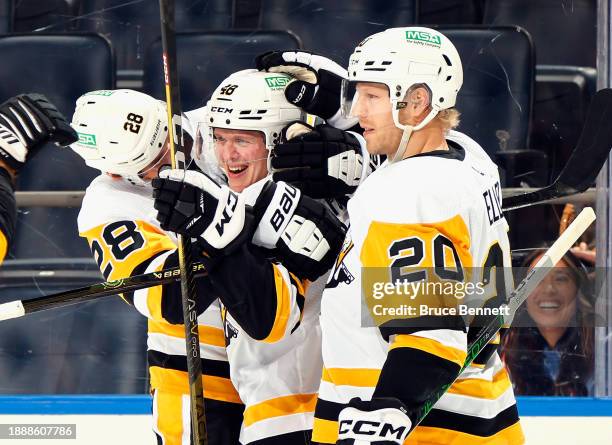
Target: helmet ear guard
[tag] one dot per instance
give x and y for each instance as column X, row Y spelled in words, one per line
column 121, row 132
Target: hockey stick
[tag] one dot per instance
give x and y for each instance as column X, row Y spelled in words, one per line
column 19, row 308
column 188, row 287
column 586, row 159
column 518, row 296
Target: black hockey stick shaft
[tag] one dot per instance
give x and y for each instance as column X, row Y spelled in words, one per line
column 20, row 308
column 586, row 160
column 188, row 287
column 517, row 297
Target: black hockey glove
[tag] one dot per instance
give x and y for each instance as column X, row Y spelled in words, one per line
column 192, row 204
column 323, row 162
column 301, row 233
column 383, row 421
column 27, row 122
column 318, row 83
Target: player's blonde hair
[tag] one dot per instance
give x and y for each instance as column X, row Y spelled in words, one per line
column 449, row 118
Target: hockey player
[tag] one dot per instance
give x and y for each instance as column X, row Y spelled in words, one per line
column 437, row 193
column 437, row 199
column 273, row 344
column 123, row 133
column 27, row 122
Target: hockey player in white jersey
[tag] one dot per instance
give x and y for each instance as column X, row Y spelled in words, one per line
column 273, row 342
column 436, row 200
column 123, row 133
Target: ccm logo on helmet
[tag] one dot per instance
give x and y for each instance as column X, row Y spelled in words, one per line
column 285, row 205
column 370, row 428
column 221, row 110
column 228, row 212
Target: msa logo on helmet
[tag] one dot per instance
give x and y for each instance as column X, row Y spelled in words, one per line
column 379, row 430
column 277, row 82
column 221, row 110
column 87, row 139
column 423, row 37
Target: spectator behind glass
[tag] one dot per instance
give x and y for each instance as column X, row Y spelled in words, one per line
column 550, row 351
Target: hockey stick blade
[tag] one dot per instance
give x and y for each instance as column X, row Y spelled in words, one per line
column 19, row 308
column 586, row 159
column 517, row 297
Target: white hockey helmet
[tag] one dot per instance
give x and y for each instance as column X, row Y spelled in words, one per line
column 253, row 100
column 401, row 58
column 120, row 131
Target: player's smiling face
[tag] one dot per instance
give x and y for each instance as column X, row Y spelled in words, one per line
column 242, row 155
column 553, row 303
column 373, row 109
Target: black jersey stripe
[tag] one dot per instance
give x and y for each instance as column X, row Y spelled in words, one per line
column 477, row 426
column 215, row 368
column 327, row 410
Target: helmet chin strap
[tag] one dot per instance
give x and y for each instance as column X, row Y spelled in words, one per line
column 407, row 133
column 401, row 148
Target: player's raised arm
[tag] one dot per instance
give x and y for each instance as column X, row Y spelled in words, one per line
column 27, row 122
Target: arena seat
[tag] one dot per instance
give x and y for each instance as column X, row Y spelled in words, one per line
column 564, row 32
column 205, row 59
column 133, row 26
column 62, row 67
column 6, row 16
column 450, row 12
column 49, row 16
column 562, row 97
column 335, row 28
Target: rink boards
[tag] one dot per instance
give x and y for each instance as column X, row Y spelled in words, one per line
column 126, row 419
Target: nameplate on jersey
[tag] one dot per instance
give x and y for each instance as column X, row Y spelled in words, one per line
column 493, row 203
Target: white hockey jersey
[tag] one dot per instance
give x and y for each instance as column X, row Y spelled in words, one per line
column 435, row 211
column 118, row 221
column 278, row 378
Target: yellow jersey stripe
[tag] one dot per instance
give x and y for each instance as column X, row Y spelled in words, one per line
column 430, row 346
column 154, row 302
column 169, row 409
column 363, row 377
column 425, row 435
column 3, row 246
column 217, row 388
column 208, row 335
column 283, row 308
column 482, row 389
column 325, row 431
column 280, row 406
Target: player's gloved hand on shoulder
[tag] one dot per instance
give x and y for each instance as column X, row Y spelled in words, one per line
column 323, row 162
column 302, row 233
column 27, row 122
column 192, row 204
column 318, row 83
column 383, row 421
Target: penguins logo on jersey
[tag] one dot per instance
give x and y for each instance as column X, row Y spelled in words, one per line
column 340, row 273
column 229, row 331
